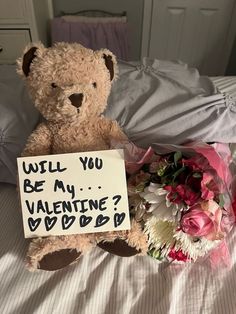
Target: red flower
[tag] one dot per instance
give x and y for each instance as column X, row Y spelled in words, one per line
column 173, row 195
column 234, row 207
column 181, row 193
column 194, row 183
column 178, row 255
column 196, row 163
column 187, row 195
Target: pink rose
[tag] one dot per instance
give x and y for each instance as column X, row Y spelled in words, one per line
column 203, row 219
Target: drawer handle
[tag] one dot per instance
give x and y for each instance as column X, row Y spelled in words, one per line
column 1, row 49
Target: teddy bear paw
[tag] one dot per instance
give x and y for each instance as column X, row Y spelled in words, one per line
column 125, row 243
column 119, row 247
column 54, row 253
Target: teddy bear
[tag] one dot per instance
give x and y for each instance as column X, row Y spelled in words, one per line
column 69, row 85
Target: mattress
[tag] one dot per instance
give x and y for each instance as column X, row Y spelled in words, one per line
column 226, row 84
column 104, row 284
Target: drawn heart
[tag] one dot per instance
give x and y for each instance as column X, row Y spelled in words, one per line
column 34, row 223
column 101, row 220
column 67, row 221
column 50, row 222
column 84, row 220
column 118, row 219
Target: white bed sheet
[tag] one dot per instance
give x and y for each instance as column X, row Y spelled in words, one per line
column 226, row 84
column 104, row 284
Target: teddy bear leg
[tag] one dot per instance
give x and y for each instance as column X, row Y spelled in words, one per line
column 53, row 253
column 125, row 243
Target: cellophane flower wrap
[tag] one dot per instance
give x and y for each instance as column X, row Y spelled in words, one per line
column 182, row 199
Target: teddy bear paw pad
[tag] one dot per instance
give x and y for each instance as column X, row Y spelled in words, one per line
column 58, row 259
column 119, row 247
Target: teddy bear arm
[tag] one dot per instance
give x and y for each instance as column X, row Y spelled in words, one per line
column 111, row 131
column 116, row 132
column 39, row 142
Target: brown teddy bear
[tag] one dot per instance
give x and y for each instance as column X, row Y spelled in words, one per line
column 70, row 85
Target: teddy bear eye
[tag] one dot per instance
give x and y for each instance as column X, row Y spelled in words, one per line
column 94, row 84
column 53, row 85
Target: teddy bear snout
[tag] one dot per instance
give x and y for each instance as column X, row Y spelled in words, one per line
column 76, row 99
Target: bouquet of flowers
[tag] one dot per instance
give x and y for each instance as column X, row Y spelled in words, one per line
column 182, row 198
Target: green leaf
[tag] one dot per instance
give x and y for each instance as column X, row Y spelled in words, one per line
column 162, row 167
column 177, row 157
column 222, row 201
column 156, row 254
column 178, row 172
column 197, row 175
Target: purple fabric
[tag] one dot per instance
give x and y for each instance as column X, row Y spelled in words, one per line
column 113, row 36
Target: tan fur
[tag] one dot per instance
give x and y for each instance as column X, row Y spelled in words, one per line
column 39, row 247
column 73, row 69
column 134, row 237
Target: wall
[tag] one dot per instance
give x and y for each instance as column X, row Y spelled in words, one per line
column 231, row 68
column 134, row 9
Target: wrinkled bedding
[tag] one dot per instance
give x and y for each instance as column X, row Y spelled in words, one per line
column 17, row 120
column 154, row 102
column 104, row 284
column 165, row 102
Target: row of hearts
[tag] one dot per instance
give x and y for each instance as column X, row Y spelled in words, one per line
column 68, row 221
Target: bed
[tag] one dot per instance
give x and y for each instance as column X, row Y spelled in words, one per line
column 102, row 283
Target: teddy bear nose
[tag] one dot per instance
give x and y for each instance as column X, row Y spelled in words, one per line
column 76, row 99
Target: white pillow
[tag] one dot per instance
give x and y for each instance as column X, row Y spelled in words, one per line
column 168, row 102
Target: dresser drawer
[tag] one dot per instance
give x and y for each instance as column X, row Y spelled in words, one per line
column 12, row 43
column 13, row 12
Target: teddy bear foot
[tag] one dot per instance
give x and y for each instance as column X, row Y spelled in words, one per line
column 54, row 253
column 59, row 259
column 119, row 247
column 124, row 243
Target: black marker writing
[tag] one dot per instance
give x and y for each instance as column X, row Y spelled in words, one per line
column 42, row 167
column 84, row 220
column 90, row 163
column 118, row 219
column 50, row 222
column 29, row 187
column 101, row 220
column 67, row 221
column 68, row 188
column 34, row 223
column 58, row 207
column 116, row 200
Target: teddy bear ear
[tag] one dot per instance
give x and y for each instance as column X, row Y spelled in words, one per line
column 26, row 60
column 110, row 62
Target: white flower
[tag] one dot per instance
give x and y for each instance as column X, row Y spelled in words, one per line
column 160, row 234
column 160, row 206
column 163, row 235
column 193, row 248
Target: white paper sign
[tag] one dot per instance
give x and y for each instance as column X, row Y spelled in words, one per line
column 73, row 193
